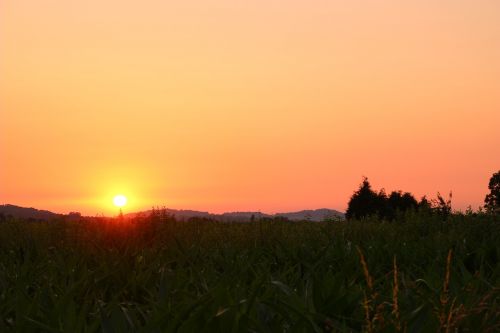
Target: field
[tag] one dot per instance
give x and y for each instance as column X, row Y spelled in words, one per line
column 417, row 274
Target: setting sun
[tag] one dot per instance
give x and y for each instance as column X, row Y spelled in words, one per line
column 120, row 200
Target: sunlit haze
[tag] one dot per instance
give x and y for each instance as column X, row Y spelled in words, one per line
column 246, row 105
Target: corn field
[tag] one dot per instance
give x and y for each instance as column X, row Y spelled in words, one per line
column 419, row 273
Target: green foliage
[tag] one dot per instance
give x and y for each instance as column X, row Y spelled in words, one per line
column 151, row 275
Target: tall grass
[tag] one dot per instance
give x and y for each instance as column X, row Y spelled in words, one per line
column 417, row 274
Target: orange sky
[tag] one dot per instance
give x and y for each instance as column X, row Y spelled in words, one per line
column 256, row 105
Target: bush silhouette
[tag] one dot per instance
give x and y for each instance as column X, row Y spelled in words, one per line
column 442, row 206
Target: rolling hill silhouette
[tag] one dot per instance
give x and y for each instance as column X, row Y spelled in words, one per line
column 24, row 212
column 310, row 215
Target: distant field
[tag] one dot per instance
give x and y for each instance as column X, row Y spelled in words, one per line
column 422, row 274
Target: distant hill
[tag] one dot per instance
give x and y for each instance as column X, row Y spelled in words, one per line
column 309, row 215
column 179, row 213
column 23, row 212
column 313, row 215
column 303, row 215
column 242, row 216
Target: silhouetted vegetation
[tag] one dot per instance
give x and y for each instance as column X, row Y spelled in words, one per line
column 365, row 202
column 492, row 200
column 441, row 205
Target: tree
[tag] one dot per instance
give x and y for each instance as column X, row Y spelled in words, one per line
column 399, row 202
column 492, row 200
column 365, row 202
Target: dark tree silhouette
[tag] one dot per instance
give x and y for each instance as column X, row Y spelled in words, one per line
column 399, row 202
column 492, row 200
column 365, row 202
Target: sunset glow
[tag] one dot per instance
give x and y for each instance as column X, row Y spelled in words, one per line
column 120, row 200
column 255, row 105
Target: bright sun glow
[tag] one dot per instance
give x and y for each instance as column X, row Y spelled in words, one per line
column 120, row 200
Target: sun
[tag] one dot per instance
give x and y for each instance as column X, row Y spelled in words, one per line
column 120, row 200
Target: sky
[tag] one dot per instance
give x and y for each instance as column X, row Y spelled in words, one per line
column 257, row 105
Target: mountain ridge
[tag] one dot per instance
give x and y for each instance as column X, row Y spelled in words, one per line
column 27, row 212
column 316, row 215
column 320, row 214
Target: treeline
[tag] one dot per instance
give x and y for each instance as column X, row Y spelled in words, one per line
column 366, row 202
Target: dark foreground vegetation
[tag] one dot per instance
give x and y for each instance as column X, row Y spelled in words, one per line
column 418, row 273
